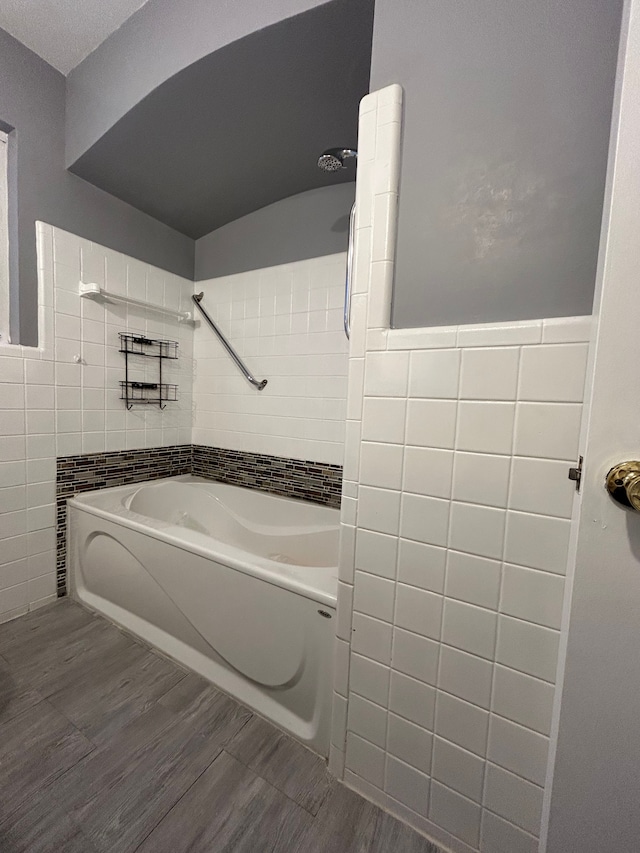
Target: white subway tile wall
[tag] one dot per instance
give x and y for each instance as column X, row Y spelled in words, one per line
column 62, row 397
column 459, row 566
column 91, row 417
column 286, row 323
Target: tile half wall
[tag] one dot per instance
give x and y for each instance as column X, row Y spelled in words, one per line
column 456, row 521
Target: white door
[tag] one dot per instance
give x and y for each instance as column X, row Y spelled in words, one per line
column 593, row 802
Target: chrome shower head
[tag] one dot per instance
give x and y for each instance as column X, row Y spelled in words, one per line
column 333, row 158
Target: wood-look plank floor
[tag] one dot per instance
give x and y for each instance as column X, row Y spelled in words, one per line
column 107, row 746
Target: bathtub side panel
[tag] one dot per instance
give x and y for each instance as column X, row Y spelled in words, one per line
column 268, row 647
column 105, row 568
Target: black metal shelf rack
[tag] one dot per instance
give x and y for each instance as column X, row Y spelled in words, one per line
column 147, row 393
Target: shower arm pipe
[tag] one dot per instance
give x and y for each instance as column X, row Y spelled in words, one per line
column 347, row 283
column 258, row 383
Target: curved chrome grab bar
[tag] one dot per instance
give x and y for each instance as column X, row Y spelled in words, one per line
column 259, row 384
column 347, row 283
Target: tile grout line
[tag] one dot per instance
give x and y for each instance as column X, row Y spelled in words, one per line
column 55, row 777
column 438, row 691
column 491, row 713
column 184, row 793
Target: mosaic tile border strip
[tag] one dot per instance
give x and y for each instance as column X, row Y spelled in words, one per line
column 312, row 481
column 86, row 472
column 291, row 478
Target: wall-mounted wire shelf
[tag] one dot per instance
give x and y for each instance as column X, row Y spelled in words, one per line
column 135, row 392
column 153, row 393
column 148, row 347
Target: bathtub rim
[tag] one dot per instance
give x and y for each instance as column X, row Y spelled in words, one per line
column 259, row 567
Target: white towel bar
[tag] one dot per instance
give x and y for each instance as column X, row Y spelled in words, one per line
column 90, row 290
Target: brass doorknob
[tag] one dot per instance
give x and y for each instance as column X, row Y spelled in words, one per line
column 623, row 484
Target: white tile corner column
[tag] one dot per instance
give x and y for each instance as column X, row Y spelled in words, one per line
column 376, row 204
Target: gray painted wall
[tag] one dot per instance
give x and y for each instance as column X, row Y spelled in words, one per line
column 506, row 125
column 307, row 225
column 32, row 99
column 159, row 40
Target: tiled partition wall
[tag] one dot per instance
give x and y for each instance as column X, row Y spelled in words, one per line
column 456, row 508
column 286, row 323
column 62, row 397
column 27, row 478
column 27, row 459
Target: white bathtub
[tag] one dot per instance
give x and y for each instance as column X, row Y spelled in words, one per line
column 236, row 584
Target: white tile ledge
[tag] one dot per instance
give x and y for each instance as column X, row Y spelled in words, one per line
column 9, row 350
column 500, row 334
column 439, row 337
column 553, row 330
column 566, row 330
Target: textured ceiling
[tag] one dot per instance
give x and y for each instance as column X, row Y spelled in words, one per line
column 243, row 127
column 64, row 32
